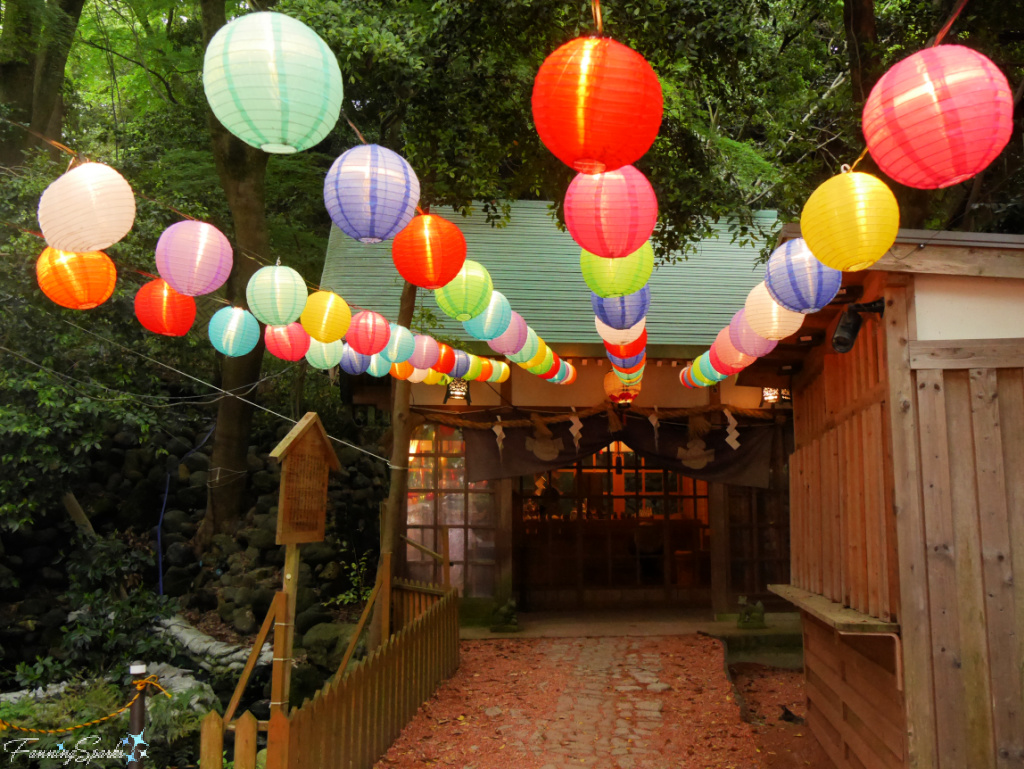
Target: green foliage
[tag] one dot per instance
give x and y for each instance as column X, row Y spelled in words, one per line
column 359, row 569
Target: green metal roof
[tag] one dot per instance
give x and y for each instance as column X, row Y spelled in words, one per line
column 537, row 267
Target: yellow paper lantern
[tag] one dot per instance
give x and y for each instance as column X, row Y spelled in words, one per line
column 326, row 316
column 542, row 350
column 769, row 319
column 433, row 377
column 850, row 221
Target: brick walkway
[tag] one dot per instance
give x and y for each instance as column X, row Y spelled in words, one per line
column 603, row 703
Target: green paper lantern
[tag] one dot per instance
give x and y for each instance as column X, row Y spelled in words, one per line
column 617, row 277
column 324, row 356
column 529, row 348
column 276, row 295
column 272, row 82
column 476, row 366
column 545, row 365
column 467, row 294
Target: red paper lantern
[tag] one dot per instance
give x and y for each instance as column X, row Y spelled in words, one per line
column 369, row 333
column 596, row 104
column 445, row 359
column 78, row 281
column 163, row 310
column 611, row 214
column 429, row 252
column 290, row 342
column 938, row 117
column 628, row 350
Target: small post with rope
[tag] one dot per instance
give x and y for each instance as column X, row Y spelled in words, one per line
column 137, row 712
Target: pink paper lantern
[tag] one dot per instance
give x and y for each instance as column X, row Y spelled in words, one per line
column 289, row 342
column 193, row 257
column 611, row 214
column 369, row 333
column 938, row 117
column 724, row 355
column 746, row 340
column 513, row 339
column 425, row 352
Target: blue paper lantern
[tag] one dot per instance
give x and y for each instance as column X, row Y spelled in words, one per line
column 353, row 362
column 492, row 322
column 462, row 364
column 621, row 312
column 401, row 345
column 371, row 193
column 796, row 280
column 379, row 366
column 234, row 331
column 627, row 362
column 324, row 355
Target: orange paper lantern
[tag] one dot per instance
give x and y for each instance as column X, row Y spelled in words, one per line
column 445, row 359
column 163, row 310
column 78, row 281
column 429, row 252
column 402, row 370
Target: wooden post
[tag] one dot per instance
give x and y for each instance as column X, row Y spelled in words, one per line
column 278, row 736
column 284, row 632
column 211, row 742
column 719, row 520
column 384, row 599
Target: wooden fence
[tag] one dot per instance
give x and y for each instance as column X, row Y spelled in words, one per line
column 353, row 720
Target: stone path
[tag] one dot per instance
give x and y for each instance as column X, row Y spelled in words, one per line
column 604, row 703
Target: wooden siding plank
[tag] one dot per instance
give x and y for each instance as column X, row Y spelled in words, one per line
column 914, row 616
column 977, row 708
column 832, row 614
column 1004, row 647
column 941, row 546
column 967, row 354
column 830, row 482
column 873, row 509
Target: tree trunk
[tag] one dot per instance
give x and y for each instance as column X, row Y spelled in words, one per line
column 393, row 522
column 242, row 172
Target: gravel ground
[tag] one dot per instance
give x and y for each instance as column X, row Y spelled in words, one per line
column 615, row 703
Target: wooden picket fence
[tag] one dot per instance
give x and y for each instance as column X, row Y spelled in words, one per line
column 353, row 720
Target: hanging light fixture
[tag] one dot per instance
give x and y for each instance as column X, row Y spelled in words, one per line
column 457, row 389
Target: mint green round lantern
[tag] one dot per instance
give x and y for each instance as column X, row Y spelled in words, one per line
column 617, row 277
column 467, row 294
column 276, row 295
column 529, row 348
column 324, row 355
column 272, row 82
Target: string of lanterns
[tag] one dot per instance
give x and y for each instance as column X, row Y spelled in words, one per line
column 935, row 119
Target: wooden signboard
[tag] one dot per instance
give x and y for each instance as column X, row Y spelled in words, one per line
column 306, row 457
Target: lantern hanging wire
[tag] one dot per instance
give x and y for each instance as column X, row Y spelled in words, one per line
column 595, row 7
column 945, row 27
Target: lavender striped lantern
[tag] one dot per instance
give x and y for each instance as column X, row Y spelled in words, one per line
column 513, row 339
column 193, row 257
column 798, row 281
column 371, row 193
column 745, row 339
column 622, row 311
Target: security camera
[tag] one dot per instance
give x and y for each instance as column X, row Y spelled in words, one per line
column 849, row 324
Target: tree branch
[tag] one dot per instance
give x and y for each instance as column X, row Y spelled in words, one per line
column 154, row 73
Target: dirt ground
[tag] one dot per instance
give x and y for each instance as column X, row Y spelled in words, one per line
column 615, row 703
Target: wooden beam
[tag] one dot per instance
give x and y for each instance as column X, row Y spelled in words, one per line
column 254, row 655
column 967, row 354
column 833, row 614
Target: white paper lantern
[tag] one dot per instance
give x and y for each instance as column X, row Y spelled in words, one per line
column 620, row 336
column 769, row 319
column 87, row 209
column 418, row 375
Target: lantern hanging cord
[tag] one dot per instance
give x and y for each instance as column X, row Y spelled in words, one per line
column 945, row 27
column 38, row 135
column 860, row 157
column 353, row 127
column 595, row 7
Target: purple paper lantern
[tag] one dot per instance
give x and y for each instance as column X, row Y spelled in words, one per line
column 353, row 362
column 745, row 339
column 462, row 364
column 513, row 339
column 621, row 312
column 193, row 257
column 425, row 352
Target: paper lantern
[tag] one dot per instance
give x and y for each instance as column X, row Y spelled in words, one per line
column 718, row 365
column 369, row 332
column 571, row 376
column 434, row 377
column 276, row 295
column 289, row 342
column 445, row 359
column 418, row 375
column 78, row 281
column 611, row 214
column 326, row 316
column 327, row 355
column 745, row 339
column 163, row 310
column 798, row 281
column 727, row 352
column 553, row 369
column 486, row 369
column 699, row 378
column 401, row 345
column 539, row 351
column 703, row 365
column 429, row 252
column 686, row 380
column 513, row 339
column 618, row 392
column 352, row 362
column 622, row 312
column 379, row 366
column 371, row 193
column 234, row 331
column 493, row 321
column 617, row 277
column 630, row 376
column 193, row 257
column 529, row 348
column 402, row 370
column 89, row 208
column 561, row 374
column 627, row 350
column 461, row 365
column 467, row 294
column 938, row 117
column 629, row 365
column 619, row 336
column 767, row 318
column 596, row 104
column 850, row 221
column 542, row 365
column 272, row 82
column 475, row 367
column 425, row 351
